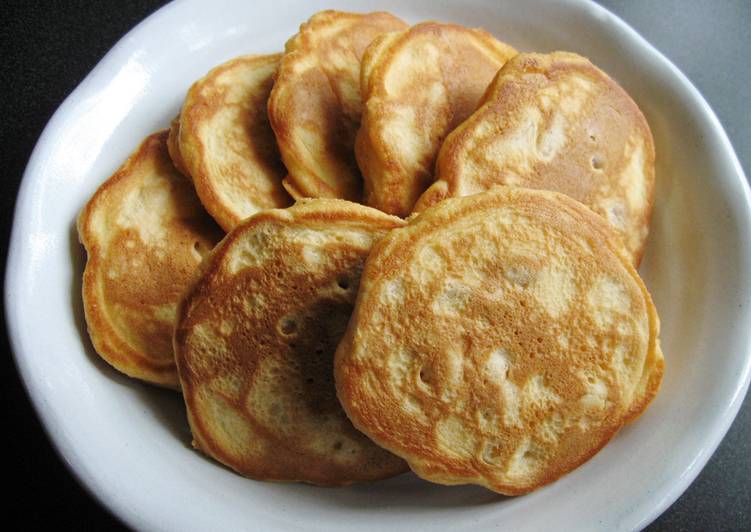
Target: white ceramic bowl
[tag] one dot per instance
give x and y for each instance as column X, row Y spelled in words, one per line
column 129, row 443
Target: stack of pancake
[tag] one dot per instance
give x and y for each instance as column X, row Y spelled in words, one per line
column 387, row 248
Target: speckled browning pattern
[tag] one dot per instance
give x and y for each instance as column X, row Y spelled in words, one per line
column 499, row 339
column 145, row 233
column 255, row 344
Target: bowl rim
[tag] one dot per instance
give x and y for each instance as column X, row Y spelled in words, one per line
column 74, row 460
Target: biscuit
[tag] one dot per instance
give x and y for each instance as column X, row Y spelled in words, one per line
column 556, row 122
column 224, row 143
column 417, row 86
column 255, row 344
column 499, row 339
column 315, row 105
column 145, row 233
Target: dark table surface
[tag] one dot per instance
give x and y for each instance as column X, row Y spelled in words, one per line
column 49, row 47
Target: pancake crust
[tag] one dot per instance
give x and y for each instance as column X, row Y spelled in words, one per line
column 499, row 339
column 224, row 142
column 417, row 86
column 255, row 345
column 145, row 233
column 556, row 122
column 315, row 105
column 173, row 146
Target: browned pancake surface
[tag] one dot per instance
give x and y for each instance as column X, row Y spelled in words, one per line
column 145, row 234
column 315, row 105
column 256, row 340
column 223, row 140
column 556, row 122
column 417, row 86
column 499, row 339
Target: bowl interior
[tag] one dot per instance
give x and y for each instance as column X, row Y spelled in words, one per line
column 130, row 443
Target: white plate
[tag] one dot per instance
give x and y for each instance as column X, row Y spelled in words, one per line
column 129, row 443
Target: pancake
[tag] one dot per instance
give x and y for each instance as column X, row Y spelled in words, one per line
column 224, row 142
column 417, row 86
column 173, row 146
column 315, row 105
column 499, row 339
column 145, row 233
column 255, row 345
column 556, row 122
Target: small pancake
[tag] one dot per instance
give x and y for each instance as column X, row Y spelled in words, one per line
column 224, row 142
column 145, row 233
column 556, row 122
column 499, row 339
column 315, row 105
column 417, row 86
column 255, row 345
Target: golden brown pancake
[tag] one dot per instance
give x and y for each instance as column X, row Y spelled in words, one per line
column 315, row 105
column 224, row 142
column 255, row 345
column 173, row 146
column 145, row 233
column 556, row 122
column 499, row 339
column 418, row 85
